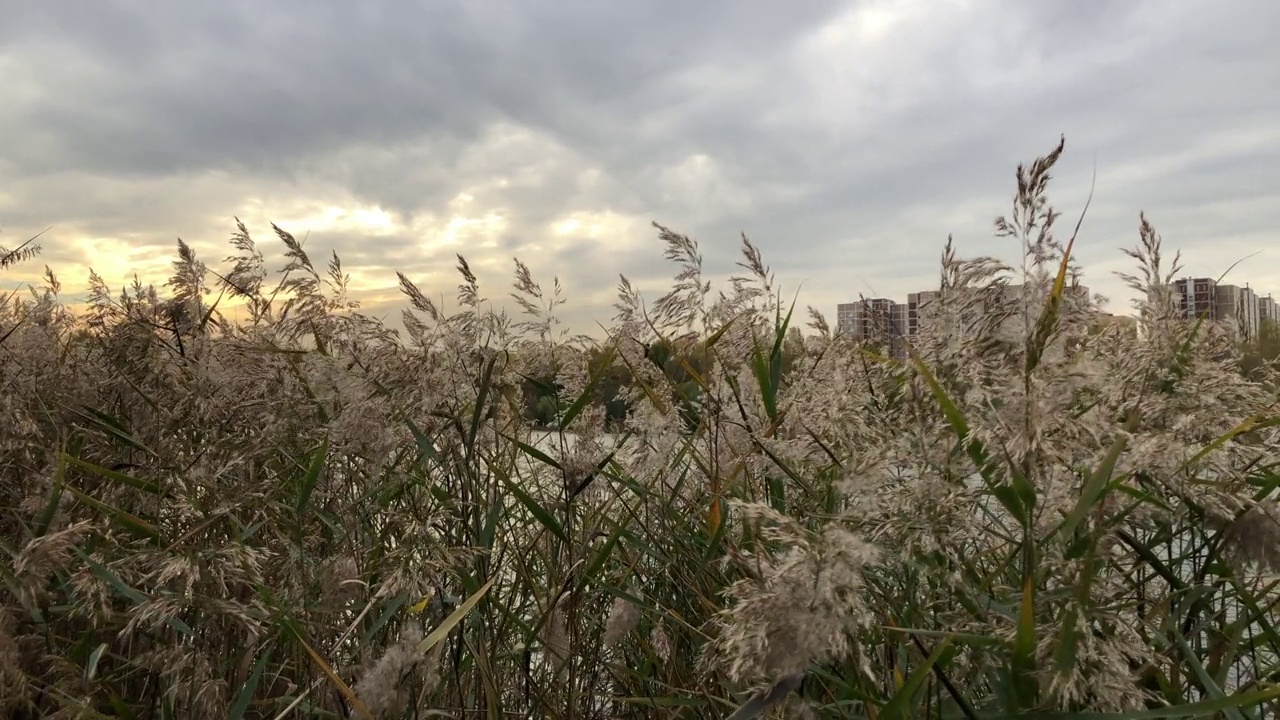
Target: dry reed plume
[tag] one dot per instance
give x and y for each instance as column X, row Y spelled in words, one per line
column 304, row 515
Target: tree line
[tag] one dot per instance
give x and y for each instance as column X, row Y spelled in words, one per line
column 684, row 363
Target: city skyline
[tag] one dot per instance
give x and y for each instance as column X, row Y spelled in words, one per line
column 884, row 320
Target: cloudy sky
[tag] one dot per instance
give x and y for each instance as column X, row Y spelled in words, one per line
column 847, row 139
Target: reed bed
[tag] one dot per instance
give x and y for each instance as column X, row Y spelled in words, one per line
column 306, row 514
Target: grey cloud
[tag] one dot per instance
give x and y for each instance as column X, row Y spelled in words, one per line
column 242, row 84
column 853, row 164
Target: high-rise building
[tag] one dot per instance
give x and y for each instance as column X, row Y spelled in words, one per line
column 1267, row 310
column 869, row 320
column 1239, row 304
column 1204, row 297
column 892, row 324
column 884, row 321
column 916, row 304
column 1196, row 297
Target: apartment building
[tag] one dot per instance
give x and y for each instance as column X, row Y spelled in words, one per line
column 1197, row 297
column 870, row 320
column 1240, row 303
column 1267, row 310
column 916, row 303
column 886, row 322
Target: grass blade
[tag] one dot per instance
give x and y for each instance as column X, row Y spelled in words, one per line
column 454, row 618
column 899, row 706
column 1005, row 494
column 1026, row 691
column 1094, row 487
column 543, row 516
column 347, row 693
column 482, row 399
column 113, row 427
column 130, row 522
column 312, row 476
column 145, row 486
column 55, row 495
column 241, row 703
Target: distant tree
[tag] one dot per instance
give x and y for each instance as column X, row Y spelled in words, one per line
column 793, row 350
column 610, row 389
column 541, row 403
column 1261, row 351
column 685, row 362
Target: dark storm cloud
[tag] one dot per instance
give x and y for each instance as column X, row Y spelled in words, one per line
column 846, row 139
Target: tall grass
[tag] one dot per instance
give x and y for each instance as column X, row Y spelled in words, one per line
column 304, row 515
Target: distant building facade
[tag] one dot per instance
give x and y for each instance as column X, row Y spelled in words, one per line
column 1196, row 297
column 916, row 303
column 870, row 320
column 890, row 324
column 1205, row 297
column 1267, row 310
